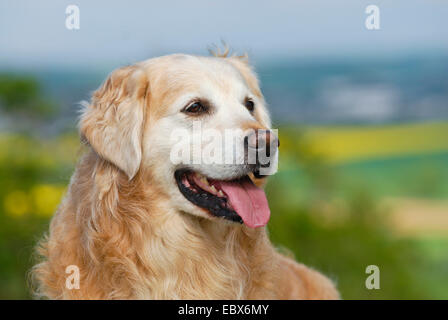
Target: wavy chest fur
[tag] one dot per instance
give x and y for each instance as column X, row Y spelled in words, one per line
column 205, row 260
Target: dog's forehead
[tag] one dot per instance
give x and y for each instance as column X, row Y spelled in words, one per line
column 185, row 72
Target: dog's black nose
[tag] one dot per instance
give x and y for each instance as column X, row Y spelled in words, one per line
column 262, row 143
column 262, row 140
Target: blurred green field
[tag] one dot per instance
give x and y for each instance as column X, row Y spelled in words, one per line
column 325, row 203
column 341, row 144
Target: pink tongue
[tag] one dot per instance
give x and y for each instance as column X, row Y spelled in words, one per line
column 248, row 200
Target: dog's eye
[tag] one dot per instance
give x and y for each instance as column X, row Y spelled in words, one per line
column 249, row 104
column 195, row 108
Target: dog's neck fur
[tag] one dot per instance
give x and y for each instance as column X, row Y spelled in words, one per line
column 127, row 245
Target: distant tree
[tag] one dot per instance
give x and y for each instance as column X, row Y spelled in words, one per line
column 23, row 96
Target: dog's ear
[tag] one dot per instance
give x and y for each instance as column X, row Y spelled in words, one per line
column 113, row 123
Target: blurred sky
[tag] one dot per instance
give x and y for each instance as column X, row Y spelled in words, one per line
column 33, row 33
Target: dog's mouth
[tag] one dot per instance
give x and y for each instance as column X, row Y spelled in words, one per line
column 238, row 200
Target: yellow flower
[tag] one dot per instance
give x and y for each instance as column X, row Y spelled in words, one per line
column 16, row 203
column 46, row 198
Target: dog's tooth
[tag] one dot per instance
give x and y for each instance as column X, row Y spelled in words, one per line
column 201, row 178
column 213, row 188
column 220, row 193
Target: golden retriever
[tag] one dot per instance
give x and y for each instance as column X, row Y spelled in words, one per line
column 134, row 223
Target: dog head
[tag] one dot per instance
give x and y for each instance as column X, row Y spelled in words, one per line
column 199, row 124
